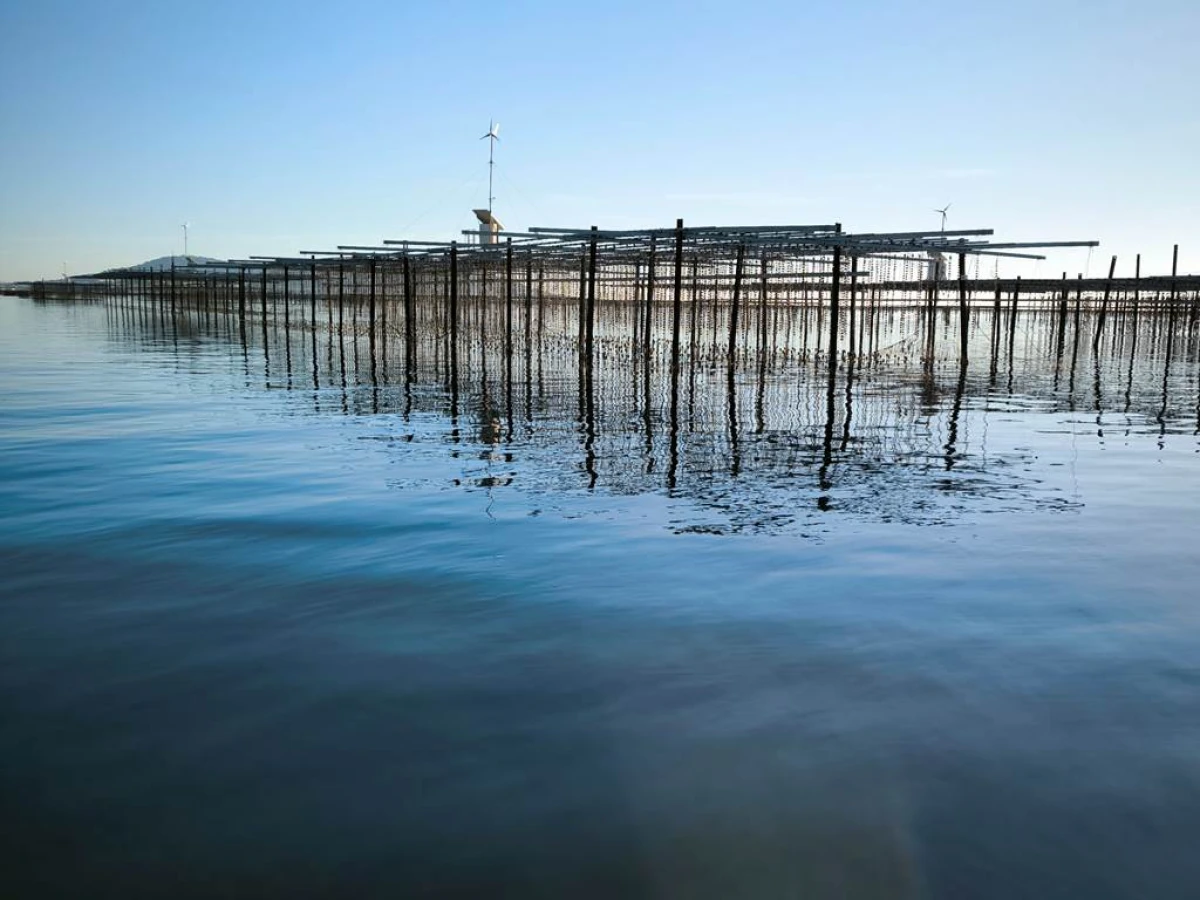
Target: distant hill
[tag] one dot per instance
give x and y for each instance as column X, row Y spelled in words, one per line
column 165, row 262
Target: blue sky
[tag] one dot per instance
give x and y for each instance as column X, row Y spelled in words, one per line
column 277, row 127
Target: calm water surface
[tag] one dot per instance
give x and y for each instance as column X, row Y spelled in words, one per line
column 283, row 620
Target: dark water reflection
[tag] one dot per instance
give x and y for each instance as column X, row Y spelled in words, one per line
column 312, row 611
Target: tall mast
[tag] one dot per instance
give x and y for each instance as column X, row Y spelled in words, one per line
column 493, row 135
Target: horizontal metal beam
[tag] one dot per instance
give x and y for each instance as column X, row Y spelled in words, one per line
column 730, row 229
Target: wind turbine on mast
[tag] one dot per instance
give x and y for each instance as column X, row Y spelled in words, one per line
column 942, row 213
column 493, row 135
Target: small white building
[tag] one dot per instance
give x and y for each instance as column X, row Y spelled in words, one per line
column 489, row 226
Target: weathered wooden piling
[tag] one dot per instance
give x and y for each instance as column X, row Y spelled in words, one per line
column 676, row 316
column 676, row 313
column 242, row 296
column 454, row 312
column 1112, row 266
column 590, row 318
column 735, row 301
column 823, row 502
column 963, row 315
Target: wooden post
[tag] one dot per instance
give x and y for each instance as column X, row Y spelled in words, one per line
column 508, row 297
column 508, row 331
column 834, row 302
column 409, row 326
column 371, row 297
column 454, row 312
column 676, row 311
column 1137, row 284
column 590, row 322
column 694, row 311
column 528, row 306
column 1104, row 306
column 263, row 295
column 541, row 316
column 1171, row 314
column 855, row 329
column 1012, row 318
column 737, row 296
column 341, row 295
column 827, row 444
column 676, row 314
column 963, row 315
column 1062, row 319
column 312, row 294
column 383, row 322
column 1174, row 274
column 647, row 329
column 582, row 305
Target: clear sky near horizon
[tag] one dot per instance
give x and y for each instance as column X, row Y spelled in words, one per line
column 278, row 127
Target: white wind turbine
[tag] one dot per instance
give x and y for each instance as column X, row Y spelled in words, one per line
column 942, row 213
